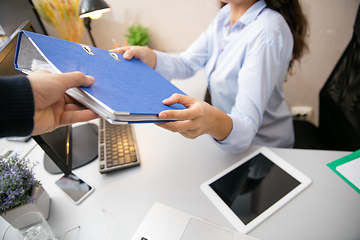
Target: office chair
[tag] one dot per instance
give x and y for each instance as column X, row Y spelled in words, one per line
column 339, row 100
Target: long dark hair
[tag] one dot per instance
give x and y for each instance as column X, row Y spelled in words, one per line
column 292, row 12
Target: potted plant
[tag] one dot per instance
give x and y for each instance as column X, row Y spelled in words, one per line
column 137, row 35
column 20, row 191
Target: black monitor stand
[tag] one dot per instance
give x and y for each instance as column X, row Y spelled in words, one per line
column 81, row 142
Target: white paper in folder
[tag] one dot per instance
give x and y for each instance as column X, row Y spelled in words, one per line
column 351, row 170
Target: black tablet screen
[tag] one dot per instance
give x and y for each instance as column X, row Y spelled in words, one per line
column 253, row 187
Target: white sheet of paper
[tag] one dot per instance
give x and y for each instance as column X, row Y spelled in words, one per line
column 351, row 170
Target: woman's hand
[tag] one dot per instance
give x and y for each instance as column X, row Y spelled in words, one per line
column 197, row 119
column 145, row 54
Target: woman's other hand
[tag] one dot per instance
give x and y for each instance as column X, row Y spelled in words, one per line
column 145, row 54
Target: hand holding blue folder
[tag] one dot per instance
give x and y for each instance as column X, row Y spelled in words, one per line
column 125, row 91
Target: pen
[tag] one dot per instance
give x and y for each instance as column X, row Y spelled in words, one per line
column 114, row 42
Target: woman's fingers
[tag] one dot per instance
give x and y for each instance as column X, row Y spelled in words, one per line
column 186, row 114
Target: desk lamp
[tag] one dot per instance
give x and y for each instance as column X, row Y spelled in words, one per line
column 92, row 9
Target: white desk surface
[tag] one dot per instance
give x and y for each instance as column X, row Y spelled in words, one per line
column 171, row 172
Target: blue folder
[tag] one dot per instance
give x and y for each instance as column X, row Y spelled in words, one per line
column 125, row 91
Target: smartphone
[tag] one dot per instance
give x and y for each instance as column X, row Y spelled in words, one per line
column 75, row 188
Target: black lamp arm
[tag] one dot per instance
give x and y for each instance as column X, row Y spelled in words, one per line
column 87, row 22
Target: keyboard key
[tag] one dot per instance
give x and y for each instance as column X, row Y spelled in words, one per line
column 121, row 160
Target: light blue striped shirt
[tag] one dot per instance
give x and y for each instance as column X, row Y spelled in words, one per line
column 246, row 67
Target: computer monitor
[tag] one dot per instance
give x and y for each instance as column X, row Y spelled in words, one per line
column 68, row 148
column 7, row 51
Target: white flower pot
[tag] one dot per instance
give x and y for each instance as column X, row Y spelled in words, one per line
column 41, row 204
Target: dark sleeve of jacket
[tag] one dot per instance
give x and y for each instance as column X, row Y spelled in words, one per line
column 16, row 106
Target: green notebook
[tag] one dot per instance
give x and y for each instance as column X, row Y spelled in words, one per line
column 348, row 168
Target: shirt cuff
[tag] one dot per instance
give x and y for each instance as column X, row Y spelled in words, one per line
column 240, row 137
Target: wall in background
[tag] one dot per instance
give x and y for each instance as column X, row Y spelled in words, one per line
column 173, row 24
column 331, row 28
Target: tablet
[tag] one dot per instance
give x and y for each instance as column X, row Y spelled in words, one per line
column 251, row 190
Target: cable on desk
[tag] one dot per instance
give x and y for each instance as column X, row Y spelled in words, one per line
column 69, row 231
column 107, row 225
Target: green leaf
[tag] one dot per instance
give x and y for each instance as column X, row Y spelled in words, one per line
column 137, row 35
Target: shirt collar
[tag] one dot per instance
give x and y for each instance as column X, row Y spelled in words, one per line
column 249, row 16
column 252, row 13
